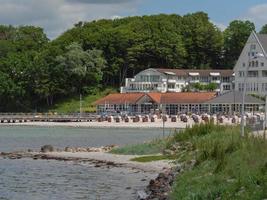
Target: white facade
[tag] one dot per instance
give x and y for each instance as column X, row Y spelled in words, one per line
column 174, row 80
column 251, row 67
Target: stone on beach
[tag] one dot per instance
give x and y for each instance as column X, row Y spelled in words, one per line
column 47, row 148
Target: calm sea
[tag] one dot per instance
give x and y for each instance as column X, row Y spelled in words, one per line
column 46, row 180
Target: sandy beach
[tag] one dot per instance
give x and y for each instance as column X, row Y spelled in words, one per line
column 157, row 124
column 124, row 160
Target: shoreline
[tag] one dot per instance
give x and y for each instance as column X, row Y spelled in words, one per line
column 106, row 125
column 162, row 172
column 99, row 159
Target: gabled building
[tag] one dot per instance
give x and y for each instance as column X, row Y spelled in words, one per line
column 146, row 103
column 251, row 66
column 172, row 103
column 174, row 80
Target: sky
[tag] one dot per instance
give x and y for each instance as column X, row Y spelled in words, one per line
column 56, row 16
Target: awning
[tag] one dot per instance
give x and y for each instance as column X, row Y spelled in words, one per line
column 170, row 73
column 215, row 74
column 193, row 74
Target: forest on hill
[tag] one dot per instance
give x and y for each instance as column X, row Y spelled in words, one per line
column 36, row 72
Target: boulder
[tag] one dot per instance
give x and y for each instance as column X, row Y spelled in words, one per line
column 47, row 148
column 68, row 149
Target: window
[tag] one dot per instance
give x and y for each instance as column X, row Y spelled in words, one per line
column 244, row 64
column 262, row 64
column 154, row 78
column 253, row 74
column 226, row 87
column 256, row 63
column 144, row 78
column 264, row 73
column 240, row 86
column 226, row 79
column 171, row 86
column 241, row 74
column 253, row 46
column 252, row 54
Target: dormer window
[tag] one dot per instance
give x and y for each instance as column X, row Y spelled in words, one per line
column 244, row 64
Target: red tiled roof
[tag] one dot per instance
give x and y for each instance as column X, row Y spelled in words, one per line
column 186, row 97
column 160, row 98
column 202, row 72
column 120, row 98
column 155, row 96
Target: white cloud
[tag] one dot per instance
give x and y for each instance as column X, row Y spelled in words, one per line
column 56, row 16
column 221, row 26
column 257, row 14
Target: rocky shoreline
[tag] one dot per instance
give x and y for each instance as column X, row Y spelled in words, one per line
column 158, row 188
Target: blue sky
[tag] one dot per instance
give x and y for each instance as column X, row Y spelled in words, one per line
column 219, row 11
column 56, row 16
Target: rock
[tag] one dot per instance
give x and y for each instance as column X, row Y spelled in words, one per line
column 168, row 152
column 47, row 148
column 68, row 149
column 142, row 195
column 160, row 187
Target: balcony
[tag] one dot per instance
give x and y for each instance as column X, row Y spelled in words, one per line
column 194, row 81
column 145, row 90
column 216, row 81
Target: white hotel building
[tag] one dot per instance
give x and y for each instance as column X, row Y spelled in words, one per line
column 174, row 80
column 251, row 66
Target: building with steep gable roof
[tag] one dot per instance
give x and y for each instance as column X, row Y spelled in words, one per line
column 251, row 67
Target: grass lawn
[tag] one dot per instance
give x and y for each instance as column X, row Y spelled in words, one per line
column 154, row 147
column 72, row 105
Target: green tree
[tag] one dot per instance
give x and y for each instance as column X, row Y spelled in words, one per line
column 264, row 29
column 235, row 37
column 83, row 67
column 203, row 41
column 211, row 87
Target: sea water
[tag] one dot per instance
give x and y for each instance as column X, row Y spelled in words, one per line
column 45, row 180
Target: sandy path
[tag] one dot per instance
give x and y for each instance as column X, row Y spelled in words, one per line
column 154, row 166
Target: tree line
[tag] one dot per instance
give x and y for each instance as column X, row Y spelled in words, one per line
column 36, row 72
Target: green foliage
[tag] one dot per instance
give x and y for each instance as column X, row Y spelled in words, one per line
column 71, row 105
column 204, row 87
column 235, row 37
column 103, row 53
column 145, row 159
column 264, row 29
column 227, row 166
column 154, row 147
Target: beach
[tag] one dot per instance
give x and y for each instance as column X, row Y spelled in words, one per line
column 157, row 124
